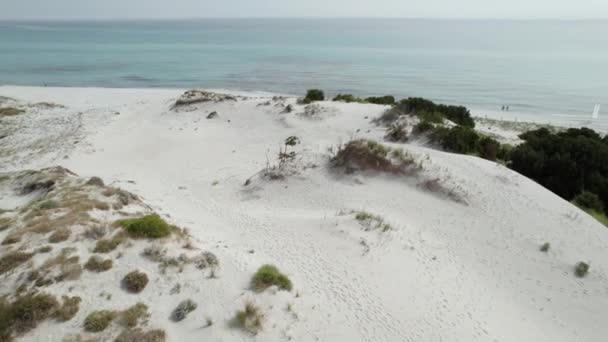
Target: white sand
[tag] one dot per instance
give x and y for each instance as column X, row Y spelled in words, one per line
column 447, row 272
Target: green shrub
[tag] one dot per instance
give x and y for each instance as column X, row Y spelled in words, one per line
column 457, row 114
column 347, row 98
column 135, row 281
column 581, row 269
column 388, row 116
column 566, row 163
column 250, row 318
column 433, row 117
column 423, row 127
column 363, row 155
column 589, row 200
column 98, row 321
column 150, row 226
column 97, row 264
column 460, row 140
column 382, row 100
column 313, row 95
column 269, row 275
column 488, row 148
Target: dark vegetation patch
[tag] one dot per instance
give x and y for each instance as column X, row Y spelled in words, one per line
column 134, row 315
column 573, row 164
column 135, row 281
column 381, row 100
column 110, row 244
column 416, row 105
column 581, row 269
column 269, row 275
column 313, row 95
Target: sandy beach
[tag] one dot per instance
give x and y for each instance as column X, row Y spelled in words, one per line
column 458, row 264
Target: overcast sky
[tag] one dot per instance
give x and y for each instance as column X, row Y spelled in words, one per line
column 111, row 9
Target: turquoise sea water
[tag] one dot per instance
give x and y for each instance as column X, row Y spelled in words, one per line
column 541, row 67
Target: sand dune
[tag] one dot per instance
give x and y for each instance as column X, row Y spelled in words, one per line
column 446, row 270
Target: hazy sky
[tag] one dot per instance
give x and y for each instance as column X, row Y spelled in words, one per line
column 107, row 9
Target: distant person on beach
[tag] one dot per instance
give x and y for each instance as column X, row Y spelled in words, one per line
column 507, row 108
column 503, row 108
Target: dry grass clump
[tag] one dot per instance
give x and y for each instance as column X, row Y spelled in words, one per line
column 11, row 239
column 134, row 315
column 364, row 155
column 135, row 281
column 269, row 275
column 139, row 335
column 5, row 223
column 98, row 321
column 183, row 309
column 69, row 308
column 545, row 247
column 370, row 221
column 25, row 313
column 13, row 260
column 10, row 111
column 60, row 235
column 149, row 226
column 396, row 133
column 97, row 264
column 108, row 245
column 123, row 198
column 250, row 318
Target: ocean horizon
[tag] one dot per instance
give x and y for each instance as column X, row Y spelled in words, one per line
column 543, row 68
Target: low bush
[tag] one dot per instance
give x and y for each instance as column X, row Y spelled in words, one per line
column 98, row 321
column 370, row 221
column 458, row 114
column 97, row 264
column 581, row 269
column 269, row 275
column 69, row 308
column 250, row 318
column 566, row 163
column 182, row 310
column 150, row 226
column 135, row 281
column 313, row 95
column 432, row 117
column 134, row 315
column 346, row 98
column 381, row 100
column 423, row 127
column 488, row 148
column 95, row 181
column 389, row 116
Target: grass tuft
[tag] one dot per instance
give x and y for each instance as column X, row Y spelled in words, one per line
column 581, row 269
column 250, row 318
column 97, row 264
column 98, row 321
column 69, row 308
column 269, row 275
column 183, row 309
column 12, row 260
column 150, row 226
